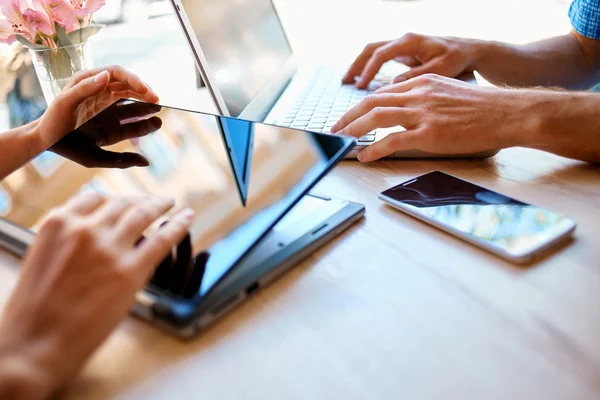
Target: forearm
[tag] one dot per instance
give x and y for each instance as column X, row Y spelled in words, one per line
column 564, row 123
column 567, row 61
column 17, row 147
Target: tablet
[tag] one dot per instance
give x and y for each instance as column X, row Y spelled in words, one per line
column 240, row 177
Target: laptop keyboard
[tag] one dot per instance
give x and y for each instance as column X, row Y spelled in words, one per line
column 324, row 101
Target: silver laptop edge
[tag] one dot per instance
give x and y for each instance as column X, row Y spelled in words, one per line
column 262, row 103
column 269, row 105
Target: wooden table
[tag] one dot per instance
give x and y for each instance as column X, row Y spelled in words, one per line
column 393, row 309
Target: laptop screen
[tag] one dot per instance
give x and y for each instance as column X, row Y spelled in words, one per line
column 243, row 42
column 239, row 177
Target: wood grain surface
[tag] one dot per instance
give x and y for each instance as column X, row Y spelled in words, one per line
column 393, row 308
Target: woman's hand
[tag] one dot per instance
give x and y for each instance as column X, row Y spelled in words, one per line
column 77, row 283
column 87, row 94
column 447, row 116
column 119, row 122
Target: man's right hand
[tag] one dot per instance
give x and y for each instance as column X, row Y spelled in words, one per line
column 424, row 54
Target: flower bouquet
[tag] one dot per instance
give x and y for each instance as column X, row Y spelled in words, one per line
column 56, row 33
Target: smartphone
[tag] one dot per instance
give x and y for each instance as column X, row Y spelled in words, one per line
column 509, row 228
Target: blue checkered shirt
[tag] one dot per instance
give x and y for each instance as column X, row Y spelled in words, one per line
column 585, row 17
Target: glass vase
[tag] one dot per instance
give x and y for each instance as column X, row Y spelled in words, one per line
column 55, row 67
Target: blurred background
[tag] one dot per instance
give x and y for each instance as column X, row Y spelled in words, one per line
column 143, row 35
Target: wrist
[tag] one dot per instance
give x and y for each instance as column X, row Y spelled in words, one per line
column 558, row 118
column 32, row 139
column 21, row 377
column 477, row 51
column 29, row 369
column 489, row 58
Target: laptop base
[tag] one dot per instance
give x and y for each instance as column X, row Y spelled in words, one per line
column 312, row 223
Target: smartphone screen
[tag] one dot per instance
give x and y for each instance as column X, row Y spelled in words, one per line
column 506, row 224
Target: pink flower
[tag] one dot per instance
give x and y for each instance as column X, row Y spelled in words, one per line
column 13, row 9
column 6, row 32
column 13, row 12
column 62, row 12
column 90, row 7
column 43, row 7
column 24, row 21
column 38, row 22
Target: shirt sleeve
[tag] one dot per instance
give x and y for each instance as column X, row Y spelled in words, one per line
column 585, row 17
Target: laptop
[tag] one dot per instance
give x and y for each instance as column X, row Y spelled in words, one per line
column 248, row 66
column 247, row 182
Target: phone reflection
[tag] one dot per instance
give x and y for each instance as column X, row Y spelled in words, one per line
column 513, row 225
column 436, row 192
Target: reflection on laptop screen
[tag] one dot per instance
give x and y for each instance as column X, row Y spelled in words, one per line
column 240, row 180
column 243, row 42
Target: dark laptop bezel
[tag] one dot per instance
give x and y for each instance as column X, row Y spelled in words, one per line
column 264, row 264
column 178, row 310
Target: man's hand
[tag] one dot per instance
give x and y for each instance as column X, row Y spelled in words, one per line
column 87, row 94
column 440, row 115
column 77, row 283
column 446, row 116
column 424, row 54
